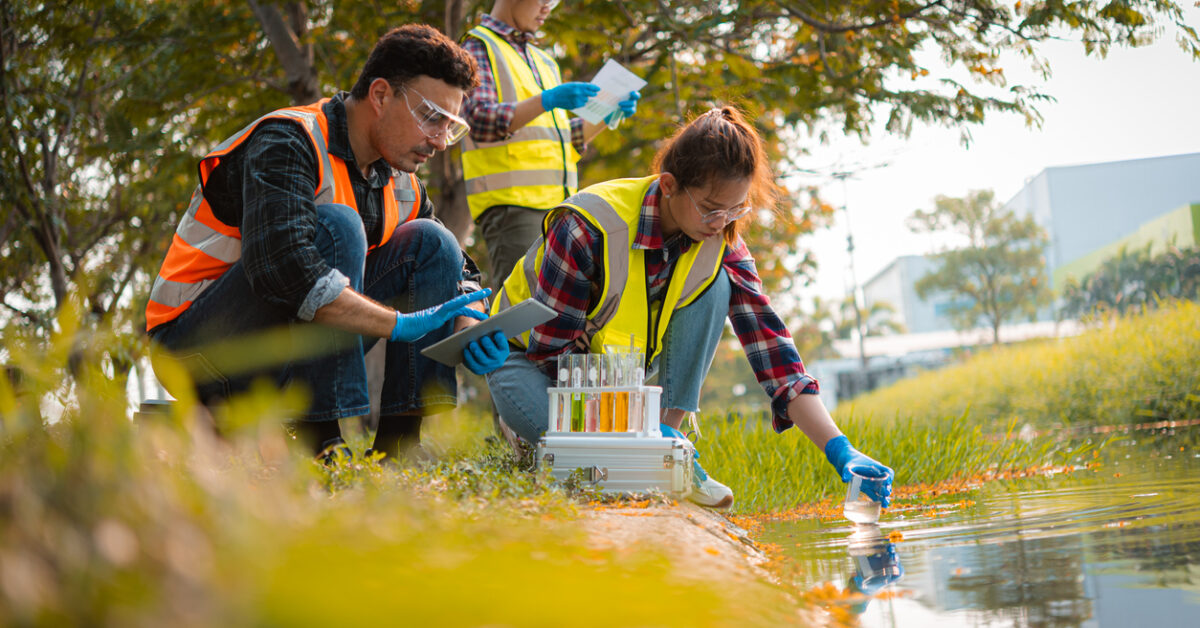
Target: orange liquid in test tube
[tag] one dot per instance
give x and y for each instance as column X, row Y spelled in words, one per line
column 621, row 410
column 606, row 413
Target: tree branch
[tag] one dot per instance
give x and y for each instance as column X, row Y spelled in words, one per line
column 296, row 61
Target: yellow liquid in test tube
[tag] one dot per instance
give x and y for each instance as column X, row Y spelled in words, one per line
column 606, row 413
column 621, row 416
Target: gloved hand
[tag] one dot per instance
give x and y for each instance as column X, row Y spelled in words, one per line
column 845, row 458
column 411, row 327
column 628, row 106
column 486, row 354
column 625, row 109
column 568, row 95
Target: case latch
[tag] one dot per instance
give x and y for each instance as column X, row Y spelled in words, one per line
column 668, row 461
column 548, row 460
column 596, row 474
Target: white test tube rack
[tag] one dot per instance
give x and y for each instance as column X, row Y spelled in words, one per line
column 573, row 407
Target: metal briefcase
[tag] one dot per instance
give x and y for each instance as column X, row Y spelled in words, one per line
column 620, row 463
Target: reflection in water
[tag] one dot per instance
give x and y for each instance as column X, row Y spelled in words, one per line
column 1111, row 548
column 876, row 563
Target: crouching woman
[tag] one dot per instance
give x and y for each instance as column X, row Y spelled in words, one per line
column 658, row 263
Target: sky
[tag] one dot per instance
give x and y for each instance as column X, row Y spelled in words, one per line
column 1135, row 103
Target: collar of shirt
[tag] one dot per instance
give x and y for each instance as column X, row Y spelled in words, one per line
column 339, row 142
column 510, row 33
column 649, row 234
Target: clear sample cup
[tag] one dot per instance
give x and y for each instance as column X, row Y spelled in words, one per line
column 858, row 507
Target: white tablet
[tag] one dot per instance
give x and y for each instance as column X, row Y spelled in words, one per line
column 515, row 320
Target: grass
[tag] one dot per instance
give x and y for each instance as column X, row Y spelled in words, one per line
column 103, row 521
column 108, row 522
column 963, row 420
column 1128, row 370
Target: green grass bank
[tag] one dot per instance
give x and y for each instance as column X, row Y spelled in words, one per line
column 963, row 419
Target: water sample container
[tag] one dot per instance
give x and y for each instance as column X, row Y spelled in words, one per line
column 858, row 507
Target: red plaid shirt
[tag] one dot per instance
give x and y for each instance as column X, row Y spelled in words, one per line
column 488, row 118
column 572, row 266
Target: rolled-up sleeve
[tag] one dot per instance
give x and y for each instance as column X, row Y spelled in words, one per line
column 765, row 340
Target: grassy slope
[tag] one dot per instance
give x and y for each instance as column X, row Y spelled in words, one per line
column 949, row 422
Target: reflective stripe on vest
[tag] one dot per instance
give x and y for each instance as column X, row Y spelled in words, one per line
column 203, row 247
column 535, row 166
column 622, row 314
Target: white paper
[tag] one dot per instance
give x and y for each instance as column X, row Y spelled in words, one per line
column 615, row 83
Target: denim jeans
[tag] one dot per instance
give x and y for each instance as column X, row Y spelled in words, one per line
column 220, row 338
column 519, row 387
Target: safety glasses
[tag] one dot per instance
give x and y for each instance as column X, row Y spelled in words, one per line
column 721, row 216
column 434, row 121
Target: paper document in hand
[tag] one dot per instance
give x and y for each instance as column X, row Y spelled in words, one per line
column 615, row 83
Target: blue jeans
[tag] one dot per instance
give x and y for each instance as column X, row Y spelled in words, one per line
column 418, row 267
column 519, row 387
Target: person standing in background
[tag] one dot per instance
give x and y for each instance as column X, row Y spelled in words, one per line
column 519, row 159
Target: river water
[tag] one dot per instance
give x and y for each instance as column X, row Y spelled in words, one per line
column 1115, row 545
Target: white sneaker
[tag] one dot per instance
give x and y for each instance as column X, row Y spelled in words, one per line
column 712, row 494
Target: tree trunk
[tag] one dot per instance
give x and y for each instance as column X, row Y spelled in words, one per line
column 296, row 58
column 446, row 167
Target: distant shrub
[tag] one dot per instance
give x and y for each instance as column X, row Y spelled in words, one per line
column 1134, row 279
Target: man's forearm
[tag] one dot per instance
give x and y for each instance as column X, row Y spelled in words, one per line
column 354, row 312
column 525, row 111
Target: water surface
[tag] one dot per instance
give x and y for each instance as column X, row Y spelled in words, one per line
column 1118, row 545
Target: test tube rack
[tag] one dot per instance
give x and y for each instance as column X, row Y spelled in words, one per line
column 603, row 394
column 605, row 411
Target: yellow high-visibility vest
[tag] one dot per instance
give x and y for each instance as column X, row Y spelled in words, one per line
column 535, row 166
column 622, row 317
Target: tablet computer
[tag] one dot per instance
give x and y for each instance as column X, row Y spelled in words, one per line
column 515, row 320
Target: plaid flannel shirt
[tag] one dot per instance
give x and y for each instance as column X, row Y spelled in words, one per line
column 266, row 189
column 488, row 118
column 571, row 267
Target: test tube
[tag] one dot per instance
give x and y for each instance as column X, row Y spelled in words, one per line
column 592, row 400
column 651, row 412
column 577, row 401
column 561, row 403
column 621, row 406
column 607, row 405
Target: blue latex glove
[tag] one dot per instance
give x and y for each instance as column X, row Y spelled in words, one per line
column 411, row 327
column 486, row 354
column 625, row 109
column 845, row 458
column 628, row 107
column 568, row 95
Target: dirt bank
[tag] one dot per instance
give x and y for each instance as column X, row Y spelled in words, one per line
column 700, row 543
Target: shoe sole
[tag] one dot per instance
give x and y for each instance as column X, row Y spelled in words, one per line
column 726, row 502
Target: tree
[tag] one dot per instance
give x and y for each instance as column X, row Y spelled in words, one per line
column 878, row 319
column 999, row 274
column 107, row 106
column 1133, row 279
column 802, row 68
column 98, row 111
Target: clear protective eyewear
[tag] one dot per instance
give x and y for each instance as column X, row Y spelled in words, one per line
column 549, row 4
column 436, row 122
column 723, row 216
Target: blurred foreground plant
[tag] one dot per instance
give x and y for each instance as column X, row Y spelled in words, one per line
column 104, row 521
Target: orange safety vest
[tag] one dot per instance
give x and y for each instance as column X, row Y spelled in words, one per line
column 203, row 247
